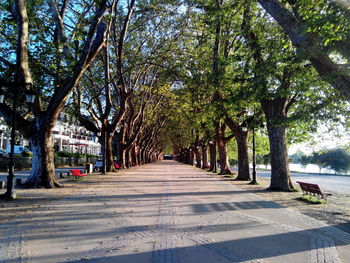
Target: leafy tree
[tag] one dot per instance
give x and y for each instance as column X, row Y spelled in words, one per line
column 263, row 159
column 288, row 89
column 304, row 160
column 320, row 31
column 336, row 159
column 50, row 59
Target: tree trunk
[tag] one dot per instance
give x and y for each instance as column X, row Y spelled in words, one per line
column 187, row 156
column 109, row 154
column 191, row 156
column 222, row 149
column 123, row 157
column 280, row 175
column 275, row 112
column 223, row 158
column 243, row 158
column 43, row 166
column 198, row 157
column 139, row 156
column 148, row 156
column 212, row 153
column 205, row 156
column 142, row 157
column 133, row 156
column 128, row 158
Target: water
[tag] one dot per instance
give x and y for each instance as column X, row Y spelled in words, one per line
column 310, row 168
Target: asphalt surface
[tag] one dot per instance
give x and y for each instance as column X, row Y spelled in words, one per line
column 333, row 183
column 168, row 212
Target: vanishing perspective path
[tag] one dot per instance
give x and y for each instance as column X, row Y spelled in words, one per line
column 168, row 212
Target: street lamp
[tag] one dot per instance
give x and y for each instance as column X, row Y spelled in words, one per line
column 244, row 127
column 30, row 98
column 254, row 159
column 118, row 130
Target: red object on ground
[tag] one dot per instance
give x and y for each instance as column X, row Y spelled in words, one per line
column 77, row 173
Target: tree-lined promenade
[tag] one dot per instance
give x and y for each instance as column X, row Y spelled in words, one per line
column 165, row 212
column 187, row 77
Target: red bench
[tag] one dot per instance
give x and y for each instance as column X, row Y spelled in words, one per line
column 312, row 189
column 77, row 173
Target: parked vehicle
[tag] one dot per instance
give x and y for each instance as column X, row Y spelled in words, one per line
column 168, row 157
column 18, row 149
column 3, row 153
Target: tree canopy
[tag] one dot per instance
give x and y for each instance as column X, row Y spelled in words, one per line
column 183, row 76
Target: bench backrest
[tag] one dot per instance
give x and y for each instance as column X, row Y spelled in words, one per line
column 312, row 188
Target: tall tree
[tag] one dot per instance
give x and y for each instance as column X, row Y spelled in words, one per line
column 103, row 96
column 70, row 51
column 283, row 79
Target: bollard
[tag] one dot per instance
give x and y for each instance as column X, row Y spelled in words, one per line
column 89, row 168
column 2, row 184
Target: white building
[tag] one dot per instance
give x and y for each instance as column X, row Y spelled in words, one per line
column 66, row 137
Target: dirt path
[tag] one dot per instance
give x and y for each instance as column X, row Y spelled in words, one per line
column 168, row 212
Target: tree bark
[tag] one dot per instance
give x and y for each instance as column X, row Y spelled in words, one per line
column 242, row 145
column 275, row 112
column 43, row 166
column 133, row 156
column 223, row 158
column 109, row 155
column 128, row 158
column 243, row 158
column 212, row 153
column 280, row 174
column 198, row 157
column 123, row 157
column 222, row 148
column 205, row 156
column 191, row 156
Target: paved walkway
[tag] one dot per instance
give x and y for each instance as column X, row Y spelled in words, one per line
column 168, row 212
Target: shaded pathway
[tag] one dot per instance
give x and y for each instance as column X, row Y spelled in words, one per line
column 168, row 212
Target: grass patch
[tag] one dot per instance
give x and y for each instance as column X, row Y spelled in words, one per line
column 311, row 199
column 78, row 179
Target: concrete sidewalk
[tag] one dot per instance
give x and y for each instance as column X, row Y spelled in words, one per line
column 168, row 212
